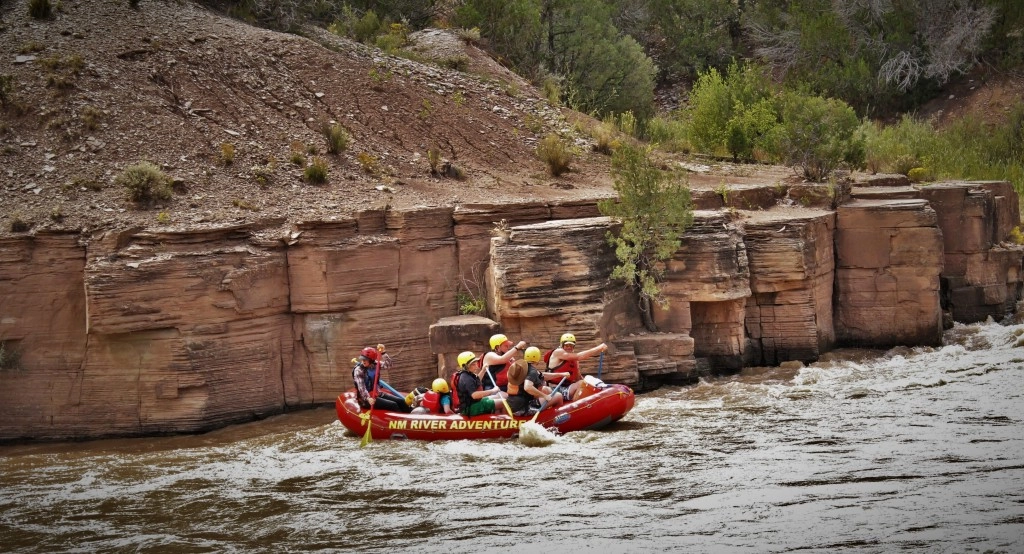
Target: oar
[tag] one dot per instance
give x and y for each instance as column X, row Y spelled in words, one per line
column 368, row 437
column 390, row 388
column 545, row 403
column 503, row 401
column 600, row 364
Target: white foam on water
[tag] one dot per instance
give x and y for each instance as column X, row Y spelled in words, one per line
column 532, row 433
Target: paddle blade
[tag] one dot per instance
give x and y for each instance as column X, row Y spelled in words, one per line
column 368, row 436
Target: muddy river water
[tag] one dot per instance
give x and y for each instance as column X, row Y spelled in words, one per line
column 907, row 450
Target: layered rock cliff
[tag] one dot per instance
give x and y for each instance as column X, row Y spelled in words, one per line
column 140, row 332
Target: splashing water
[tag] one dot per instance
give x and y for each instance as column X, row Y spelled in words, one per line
column 532, row 433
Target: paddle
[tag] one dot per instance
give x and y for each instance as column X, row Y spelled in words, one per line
column 600, row 364
column 545, row 403
column 368, row 437
column 391, row 389
column 503, row 401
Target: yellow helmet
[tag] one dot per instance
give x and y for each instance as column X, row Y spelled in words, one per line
column 567, row 337
column 496, row 340
column 466, row 358
column 532, row 354
column 440, row 386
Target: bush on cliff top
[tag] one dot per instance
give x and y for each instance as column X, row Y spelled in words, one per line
column 145, row 183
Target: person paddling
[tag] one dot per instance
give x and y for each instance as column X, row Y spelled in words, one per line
column 565, row 359
column 526, row 386
column 370, row 361
column 498, row 360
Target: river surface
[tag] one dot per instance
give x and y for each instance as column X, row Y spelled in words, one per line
column 910, row 450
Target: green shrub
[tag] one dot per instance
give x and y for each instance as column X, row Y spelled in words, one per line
column 669, row 134
column 367, row 27
column 369, row 162
column 337, row 138
column 40, row 9
column 818, row 135
column 751, row 126
column 553, row 152
column 1016, row 236
column 389, row 43
column 920, row 175
column 227, row 153
column 91, row 116
column 654, row 208
column 604, row 138
column 6, row 90
column 316, row 172
column 145, row 183
column 434, row 159
column 469, row 304
column 967, row 149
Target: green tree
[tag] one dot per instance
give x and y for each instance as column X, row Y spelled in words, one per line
column 602, row 70
column 513, row 29
column 733, row 113
column 654, row 209
column 874, row 54
column 683, row 37
column 818, row 135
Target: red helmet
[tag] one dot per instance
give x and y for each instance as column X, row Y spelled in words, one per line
column 369, row 353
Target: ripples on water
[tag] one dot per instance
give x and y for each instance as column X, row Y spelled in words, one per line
column 908, row 450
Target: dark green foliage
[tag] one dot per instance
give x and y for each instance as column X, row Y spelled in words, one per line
column 367, row 27
column 654, row 208
column 818, row 135
column 512, row 27
column 877, row 56
column 683, row 37
column 40, row 9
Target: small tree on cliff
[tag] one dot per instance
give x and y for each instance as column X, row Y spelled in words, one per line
column 655, row 209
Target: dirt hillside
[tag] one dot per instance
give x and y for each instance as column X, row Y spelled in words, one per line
column 102, row 86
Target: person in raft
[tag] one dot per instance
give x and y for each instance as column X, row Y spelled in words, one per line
column 364, row 375
column 498, row 360
column 526, row 388
column 438, row 400
column 473, row 398
column 565, row 359
column 535, row 362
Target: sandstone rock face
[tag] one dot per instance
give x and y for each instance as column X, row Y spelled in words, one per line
column 550, row 278
column 792, row 269
column 134, row 332
column 706, row 283
column 982, row 273
column 888, row 259
column 42, row 323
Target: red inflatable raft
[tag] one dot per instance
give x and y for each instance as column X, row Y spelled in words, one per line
column 598, row 408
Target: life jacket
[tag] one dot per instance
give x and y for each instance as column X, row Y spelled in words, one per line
column 431, row 401
column 572, row 367
column 500, row 375
column 457, row 396
column 369, row 372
